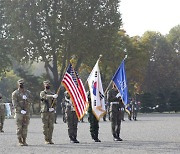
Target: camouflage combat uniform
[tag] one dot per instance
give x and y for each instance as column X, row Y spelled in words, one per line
column 47, row 116
column 115, row 113
column 72, row 120
column 2, row 114
column 63, row 109
column 21, row 100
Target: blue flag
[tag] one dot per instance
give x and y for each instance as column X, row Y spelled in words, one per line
column 120, row 81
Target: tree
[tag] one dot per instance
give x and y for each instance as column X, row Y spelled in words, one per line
column 5, row 62
column 159, row 78
column 54, row 30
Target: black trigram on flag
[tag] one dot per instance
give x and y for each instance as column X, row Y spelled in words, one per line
column 95, row 74
column 94, row 102
column 101, row 95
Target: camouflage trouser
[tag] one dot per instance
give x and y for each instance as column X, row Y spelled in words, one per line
column 72, row 122
column 22, row 122
column 94, row 126
column 2, row 118
column 48, row 124
column 115, row 117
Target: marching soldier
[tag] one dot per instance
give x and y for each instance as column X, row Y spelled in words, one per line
column 72, row 120
column 2, row 114
column 48, row 111
column 94, row 123
column 21, row 99
column 115, row 112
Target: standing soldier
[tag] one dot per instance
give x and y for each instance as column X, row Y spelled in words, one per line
column 115, row 112
column 134, row 110
column 129, row 107
column 63, row 109
column 21, row 99
column 94, row 123
column 47, row 111
column 2, row 114
column 72, row 120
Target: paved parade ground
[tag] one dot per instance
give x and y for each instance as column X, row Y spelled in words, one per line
column 152, row 133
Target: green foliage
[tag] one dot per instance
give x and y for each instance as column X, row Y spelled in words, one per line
column 53, row 31
column 147, row 102
column 174, row 101
column 8, row 84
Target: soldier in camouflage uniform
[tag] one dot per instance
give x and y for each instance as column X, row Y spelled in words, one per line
column 115, row 112
column 48, row 105
column 63, row 109
column 72, row 120
column 94, row 123
column 2, row 114
column 21, row 99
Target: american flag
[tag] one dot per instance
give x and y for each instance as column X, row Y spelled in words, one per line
column 76, row 90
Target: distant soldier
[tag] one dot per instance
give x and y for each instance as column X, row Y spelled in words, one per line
column 94, row 123
column 115, row 112
column 2, row 114
column 129, row 107
column 134, row 110
column 48, row 105
column 63, row 109
column 72, row 120
column 21, row 99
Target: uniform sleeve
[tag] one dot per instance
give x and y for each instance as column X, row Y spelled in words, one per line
column 43, row 95
column 15, row 102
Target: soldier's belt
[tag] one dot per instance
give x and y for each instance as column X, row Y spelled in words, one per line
column 114, row 103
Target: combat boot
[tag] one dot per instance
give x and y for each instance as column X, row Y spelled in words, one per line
column 20, row 141
column 1, row 129
column 97, row 140
column 47, row 141
column 118, row 138
column 51, row 142
column 24, row 142
column 75, row 140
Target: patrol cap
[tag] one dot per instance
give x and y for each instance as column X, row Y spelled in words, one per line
column 20, row 81
column 46, row 82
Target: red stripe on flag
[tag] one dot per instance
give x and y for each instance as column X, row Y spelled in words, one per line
column 78, row 101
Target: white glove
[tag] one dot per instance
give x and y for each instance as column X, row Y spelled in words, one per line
column 24, row 97
column 23, row 112
column 51, row 109
column 118, row 95
column 55, row 95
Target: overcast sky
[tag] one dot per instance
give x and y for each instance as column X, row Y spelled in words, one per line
column 139, row 16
